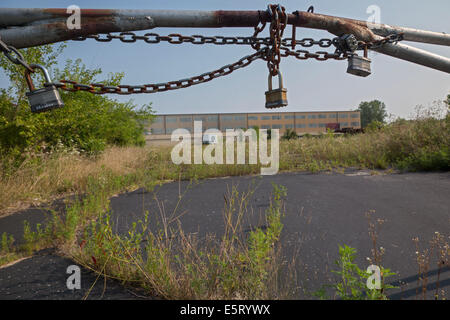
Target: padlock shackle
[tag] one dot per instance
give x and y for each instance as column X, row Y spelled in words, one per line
column 280, row 80
column 28, row 76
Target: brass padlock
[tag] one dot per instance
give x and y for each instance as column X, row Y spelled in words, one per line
column 359, row 66
column 276, row 98
column 43, row 99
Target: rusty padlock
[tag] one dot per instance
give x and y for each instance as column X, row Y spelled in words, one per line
column 276, row 98
column 43, row 99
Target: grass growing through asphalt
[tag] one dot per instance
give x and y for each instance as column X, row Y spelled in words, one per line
column 422, row 144
column 173, row 265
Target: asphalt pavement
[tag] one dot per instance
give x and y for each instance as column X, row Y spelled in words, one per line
column 322, row 211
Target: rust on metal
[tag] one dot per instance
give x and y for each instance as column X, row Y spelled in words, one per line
column 28, row 27
column 58, row 13
column 237, row 18
column 335, row 25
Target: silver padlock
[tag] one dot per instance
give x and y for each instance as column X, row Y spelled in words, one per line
column 359, row 66
column 43, row 99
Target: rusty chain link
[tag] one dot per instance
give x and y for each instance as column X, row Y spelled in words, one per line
column 275, row 47
column 393, row 38
column 319, row 55
column 175, row 38
column 278, row 24
column 258, row 29
column 98, row 88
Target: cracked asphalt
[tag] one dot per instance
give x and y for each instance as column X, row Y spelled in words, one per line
column 322, row 211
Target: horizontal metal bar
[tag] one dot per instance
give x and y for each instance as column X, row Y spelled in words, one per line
column 57, row 31
column 416, row 55
column 24, row 28
column 410, row 34
column 10, row 17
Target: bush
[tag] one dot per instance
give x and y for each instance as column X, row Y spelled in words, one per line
column 87, row 123
column 289, row 135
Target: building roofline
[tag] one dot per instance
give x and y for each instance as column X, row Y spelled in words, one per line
column 272, row 112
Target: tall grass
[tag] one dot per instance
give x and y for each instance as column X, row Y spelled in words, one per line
column 173, row 265
column 421, row 144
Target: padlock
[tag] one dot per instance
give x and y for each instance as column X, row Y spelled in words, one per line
column 359, row 66
column 276, row 98
column 43, row 99
column 346, row 43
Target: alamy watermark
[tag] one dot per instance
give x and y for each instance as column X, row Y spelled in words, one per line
column 374, row 13
column 74, row 21
column 374, row 281
column 190, row 149
column 74, row 280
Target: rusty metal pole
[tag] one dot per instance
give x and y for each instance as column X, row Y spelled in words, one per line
column 24, row 28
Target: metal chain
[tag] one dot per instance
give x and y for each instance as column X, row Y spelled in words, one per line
column 175, row 38
column 275, row 48
column 19, row 60
column 319, row 55
column 98, row 88
column 258, row 29
column 393, row 38
column 277, row 26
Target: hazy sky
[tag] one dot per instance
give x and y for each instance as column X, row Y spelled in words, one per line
column 311, row 85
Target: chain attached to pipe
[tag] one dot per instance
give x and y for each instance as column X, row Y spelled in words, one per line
column 271, row 49
column 277, row 26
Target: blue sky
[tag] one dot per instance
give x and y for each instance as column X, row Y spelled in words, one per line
column 311, row 85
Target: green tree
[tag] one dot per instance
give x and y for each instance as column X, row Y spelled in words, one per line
column 88, row 122
column 372, row 111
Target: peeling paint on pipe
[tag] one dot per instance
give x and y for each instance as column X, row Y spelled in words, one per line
column 24, row 28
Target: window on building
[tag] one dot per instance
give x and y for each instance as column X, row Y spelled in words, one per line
column 276, row 117
column 157, row 131
column 355, row 115
column 312, row 116
column 252, row 118
column 322, row 125
column 343, row 116
column 300, row 116
column 289, row 117
column 332, row 116
column 185, row 119
column 213, row 118
column 313, row 125
column 355, row 124
column 239, row 118
column 265, row 127
column 159, row 119
column 199, row 119
column 171, row 119
column 300, row 125
column 227, row 118
column 344, row 124
column 277, row 126
column 265, row 118
column 322, row 116
column 289, row 126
